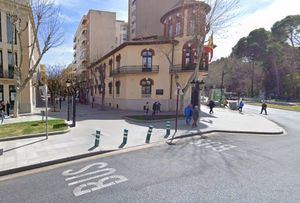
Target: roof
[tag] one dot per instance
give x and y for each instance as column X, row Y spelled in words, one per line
column 129, row 43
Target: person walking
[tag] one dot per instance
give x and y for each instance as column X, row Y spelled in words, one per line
column 146, row 108
column 195, row 116
column 241, row 105
column 211, row 105
column 225, row 103
column 154, row 108
column 264, row 108
column 2, row 110
column 158, row 105
column 188, row 112
column 7, row 108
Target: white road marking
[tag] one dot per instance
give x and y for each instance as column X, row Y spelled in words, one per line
column 93, row 186
column 215, row 146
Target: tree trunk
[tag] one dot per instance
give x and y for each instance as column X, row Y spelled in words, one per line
column 16, row 104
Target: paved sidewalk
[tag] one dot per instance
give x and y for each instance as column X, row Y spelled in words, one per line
column 80, row 140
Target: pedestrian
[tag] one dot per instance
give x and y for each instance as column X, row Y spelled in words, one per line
column 158, row 105
column 2, row 110
column 146, row 108
column 211, row 105
column 154, row 108
column 195, row 116
column 188, row 112
column 7, row 108
column 263, row 108
column 241, row 105
column 225, row 103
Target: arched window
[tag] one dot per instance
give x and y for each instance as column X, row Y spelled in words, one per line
column 178, row 26
column 189, row 55
column 147, row 55
column 170, row 28
column 146, row 84
column 118, row 84
column 118, row 61
column 110, row 88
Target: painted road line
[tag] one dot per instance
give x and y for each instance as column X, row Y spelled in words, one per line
column 106, row 176
column 215, row 146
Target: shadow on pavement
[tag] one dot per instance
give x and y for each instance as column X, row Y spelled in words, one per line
column 21, row 146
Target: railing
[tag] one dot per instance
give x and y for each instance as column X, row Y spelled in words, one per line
column 7, row 74
column 189, row 68
column 134, row 69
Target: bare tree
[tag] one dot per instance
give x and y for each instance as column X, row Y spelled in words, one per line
column 43, row 22
column 54, row 80
column 219, row 17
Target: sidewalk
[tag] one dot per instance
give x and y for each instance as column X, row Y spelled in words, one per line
column 80, row 140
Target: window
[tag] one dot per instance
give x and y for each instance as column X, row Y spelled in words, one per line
column 1, row 65
column 192, row 25
column 0, row 28
column 11, row 31
column 178, row 27
column 189, row 55
column 147, row 55
column 1, row 93
column 12, row 61
column 110, row 63
column 118, row 61
column 146, row 84
column 118, row 84
column 170, row 31
column 110, row 88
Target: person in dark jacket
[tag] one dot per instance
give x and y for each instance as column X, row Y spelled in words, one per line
column 7, row 108
column 2, row 110
column 195, row 116
column 154, row 108
column 211, row 105
column 263, row 108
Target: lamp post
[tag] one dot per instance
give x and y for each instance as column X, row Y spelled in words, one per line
column 72, row 85
column 68, row 84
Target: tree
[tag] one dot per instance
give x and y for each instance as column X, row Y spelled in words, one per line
column 219, row 16
column 288, row 30
column 54, row 82
column 44, row 23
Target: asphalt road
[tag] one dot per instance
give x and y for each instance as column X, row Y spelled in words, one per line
column 220, row 168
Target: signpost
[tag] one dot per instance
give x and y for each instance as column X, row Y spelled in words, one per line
column 44, row 90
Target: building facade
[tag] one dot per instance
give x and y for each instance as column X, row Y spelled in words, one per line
column 152, row 69
column 121, row 32
column 144, row 17
column 10, row 54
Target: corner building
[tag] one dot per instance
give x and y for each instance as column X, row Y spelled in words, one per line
column 138, row 71
column 10, row 54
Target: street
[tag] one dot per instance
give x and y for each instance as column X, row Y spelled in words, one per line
column 216, row 168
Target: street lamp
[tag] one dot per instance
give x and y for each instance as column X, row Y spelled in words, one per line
column 73, row 85
column 68, row 84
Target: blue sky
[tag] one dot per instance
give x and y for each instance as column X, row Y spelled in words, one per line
column 253, row 14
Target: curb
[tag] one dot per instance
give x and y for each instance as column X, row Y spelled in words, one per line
column 34, row 135
column 149, row 121
column 48, row 163
column 227, row 131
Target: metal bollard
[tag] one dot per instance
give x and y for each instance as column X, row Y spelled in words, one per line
column 149, row 134
column 97, row 138
column 125, row 136
column 168, row 128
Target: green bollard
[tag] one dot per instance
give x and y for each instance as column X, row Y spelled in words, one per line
column 168, row 128
column 125, row 136
column 149, row 134
column 97, row 138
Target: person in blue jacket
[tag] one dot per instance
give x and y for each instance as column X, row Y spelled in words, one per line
column 188, row 112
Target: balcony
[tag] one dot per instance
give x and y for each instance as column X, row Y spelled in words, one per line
column 7, row 75
column 190, row 68
column 133, row 70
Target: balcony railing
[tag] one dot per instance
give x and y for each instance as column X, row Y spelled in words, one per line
column 7, row 74
column 180, row 68
column 134, row 70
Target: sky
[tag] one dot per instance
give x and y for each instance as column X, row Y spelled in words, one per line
column 253, row 14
